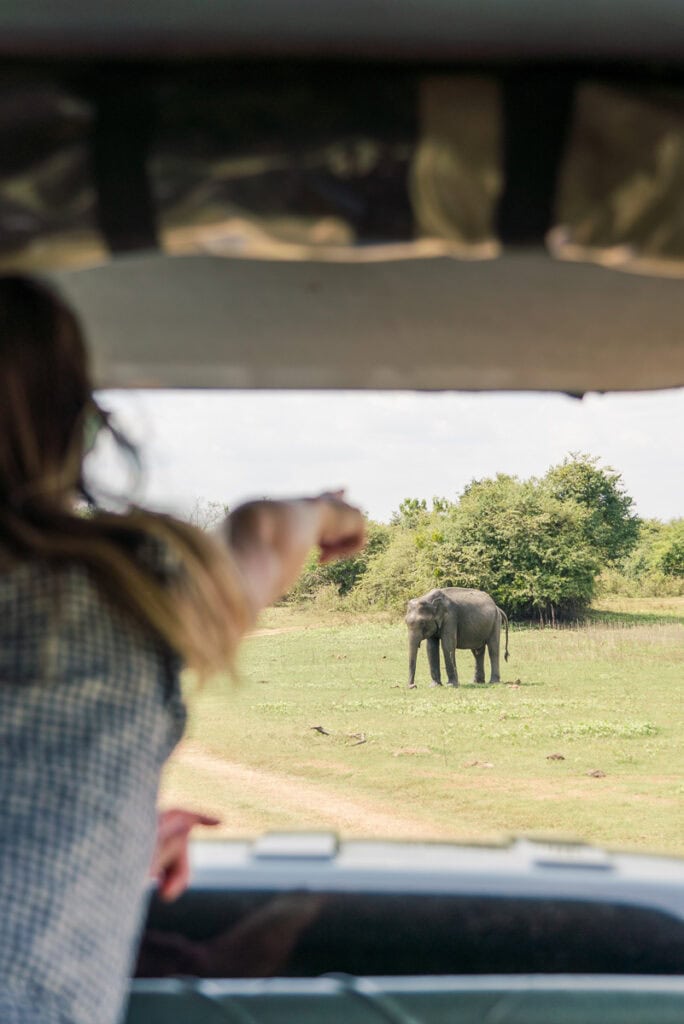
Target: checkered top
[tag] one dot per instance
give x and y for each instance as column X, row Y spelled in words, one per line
column 90, row 708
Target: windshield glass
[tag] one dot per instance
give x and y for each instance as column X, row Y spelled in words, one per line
column 568, row 513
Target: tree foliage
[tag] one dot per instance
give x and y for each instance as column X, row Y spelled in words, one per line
column 655, row 567
column 344, row 574
column 526, row 547
column 669, row 549
column 537, row 546
column 611, row 524
column 410, row 514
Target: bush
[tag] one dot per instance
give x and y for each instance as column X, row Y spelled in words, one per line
column 610, row 526
column 339, row 577
column 394, row 574
column 529, row 549
column 537, row 546
column 655, row 568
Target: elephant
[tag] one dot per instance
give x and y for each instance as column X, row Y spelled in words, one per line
column 460, row 619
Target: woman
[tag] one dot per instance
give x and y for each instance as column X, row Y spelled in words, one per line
column 98, row 615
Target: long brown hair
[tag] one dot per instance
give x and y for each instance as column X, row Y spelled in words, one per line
column 46, row 397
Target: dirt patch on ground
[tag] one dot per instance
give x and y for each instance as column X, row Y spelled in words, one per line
column 278, row 631
column 315, row 803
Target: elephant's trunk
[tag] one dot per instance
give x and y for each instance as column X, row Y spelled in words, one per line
column 414, row 644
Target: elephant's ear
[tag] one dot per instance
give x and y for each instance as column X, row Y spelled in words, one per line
column 439, row 605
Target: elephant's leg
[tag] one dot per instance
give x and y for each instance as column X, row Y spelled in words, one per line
column 449, row 651
column 493, row 648
column 479, row 655
column 433, row 659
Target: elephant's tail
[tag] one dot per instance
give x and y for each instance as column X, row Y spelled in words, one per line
column 504, row 620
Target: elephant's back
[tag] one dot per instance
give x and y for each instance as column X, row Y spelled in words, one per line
column 468, row 597
column 476, row 613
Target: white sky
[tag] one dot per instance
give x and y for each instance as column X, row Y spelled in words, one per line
column 227, row 446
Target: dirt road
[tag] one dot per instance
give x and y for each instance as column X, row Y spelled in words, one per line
column 261, row 799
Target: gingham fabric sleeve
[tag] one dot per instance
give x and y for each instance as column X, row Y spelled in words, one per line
column 90, row 709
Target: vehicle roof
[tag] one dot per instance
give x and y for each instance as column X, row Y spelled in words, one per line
column 520, row 322
column 375, row 317
column 437, row 29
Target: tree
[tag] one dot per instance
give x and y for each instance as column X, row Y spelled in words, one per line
column 670, row 550
column 411, row 512
column 612, row 525
column 207, row 514
column 513, row 539
column 394, row 574
column 537, row 546
column 656, row 565
column 525, row 547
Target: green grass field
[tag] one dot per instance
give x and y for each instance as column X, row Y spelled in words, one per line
column 322, row 732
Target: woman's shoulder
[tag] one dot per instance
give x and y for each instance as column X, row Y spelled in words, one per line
column 31, row 578
column 59, row 626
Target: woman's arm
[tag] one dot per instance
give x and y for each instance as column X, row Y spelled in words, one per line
column 270, row 540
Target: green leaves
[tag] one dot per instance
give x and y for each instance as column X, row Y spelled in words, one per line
column 342, row 575
column 610, row 525
column 537, row 546
column 655, row 567
column 529, row 549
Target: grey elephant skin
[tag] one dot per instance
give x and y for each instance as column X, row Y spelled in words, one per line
column 456, row 618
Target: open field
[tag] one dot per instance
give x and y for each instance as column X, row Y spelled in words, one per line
column 471, row 764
